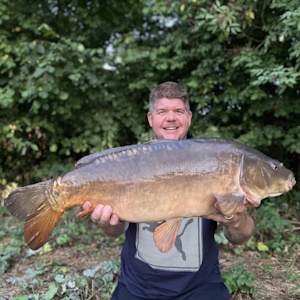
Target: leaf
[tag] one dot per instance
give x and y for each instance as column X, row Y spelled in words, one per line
column 53, row 148
column 59, row 278
column 262, row 247
column 63, row 95
column 49, row 295
column 38, row 72
column 89, row 272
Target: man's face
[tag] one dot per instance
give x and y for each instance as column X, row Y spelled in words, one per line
column 169, row 119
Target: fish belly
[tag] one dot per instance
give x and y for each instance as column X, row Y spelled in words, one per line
column 164, row 199
column 155, row 200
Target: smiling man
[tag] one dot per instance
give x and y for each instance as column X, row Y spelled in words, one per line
column 190, row 270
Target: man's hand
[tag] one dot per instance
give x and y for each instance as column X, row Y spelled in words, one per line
column 237, row 228
column 108, row 221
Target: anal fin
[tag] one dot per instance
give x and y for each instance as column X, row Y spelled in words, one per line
column 86, row 212
column 165, row 234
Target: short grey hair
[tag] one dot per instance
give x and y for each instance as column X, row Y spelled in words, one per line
column 170, row 90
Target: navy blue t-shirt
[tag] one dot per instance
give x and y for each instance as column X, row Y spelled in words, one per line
column 192, row 261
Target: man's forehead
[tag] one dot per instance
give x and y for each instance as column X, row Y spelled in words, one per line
column 169, row 103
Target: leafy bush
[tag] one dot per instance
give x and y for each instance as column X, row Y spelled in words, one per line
column 273, row 223
column 238, row 279
column 240, row 61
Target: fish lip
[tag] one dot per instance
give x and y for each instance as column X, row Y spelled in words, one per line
column 292, row 181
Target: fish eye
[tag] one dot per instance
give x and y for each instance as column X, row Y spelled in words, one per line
column 275, row 167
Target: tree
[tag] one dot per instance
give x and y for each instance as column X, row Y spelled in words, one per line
column 57, row 95
column 75, row 76
column 240, row 61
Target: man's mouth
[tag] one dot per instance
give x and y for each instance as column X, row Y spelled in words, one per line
column 171, row 128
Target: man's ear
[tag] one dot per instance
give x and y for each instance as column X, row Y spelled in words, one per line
column 149, row 116
column 190, row 117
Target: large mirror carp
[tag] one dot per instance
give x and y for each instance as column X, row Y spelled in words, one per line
column 162, row 180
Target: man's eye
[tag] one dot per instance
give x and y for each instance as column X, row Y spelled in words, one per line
column 179, row 111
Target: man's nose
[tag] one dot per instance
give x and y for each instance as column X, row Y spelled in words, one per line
column 171, row 116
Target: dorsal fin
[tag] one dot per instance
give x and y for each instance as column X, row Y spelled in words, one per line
column 90, row 158
column 104, row 153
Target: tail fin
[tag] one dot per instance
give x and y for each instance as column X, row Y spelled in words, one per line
column 25, row 200
column 30, row 204
column 40, row 224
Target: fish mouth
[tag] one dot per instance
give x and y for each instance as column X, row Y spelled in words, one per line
column 291, row 182
column 255, row 201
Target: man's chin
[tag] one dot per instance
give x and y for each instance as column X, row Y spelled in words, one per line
column 174, row 135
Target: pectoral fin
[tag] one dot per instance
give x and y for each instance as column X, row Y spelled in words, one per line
column 231, row 204
column 165, row 234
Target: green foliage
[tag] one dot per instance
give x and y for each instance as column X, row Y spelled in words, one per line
column 100, row 281
column 75, row 77
column 6, row 253
column 71, row 230
column 13, row 230
column 53, row 97
column 220, row 238
column 273, row 230
column 238, row 279
column 121, row 239
column 51, row 275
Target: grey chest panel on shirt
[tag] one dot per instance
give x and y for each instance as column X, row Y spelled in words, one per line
column 185, row 256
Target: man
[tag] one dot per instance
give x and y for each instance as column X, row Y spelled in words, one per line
column 190, row 270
